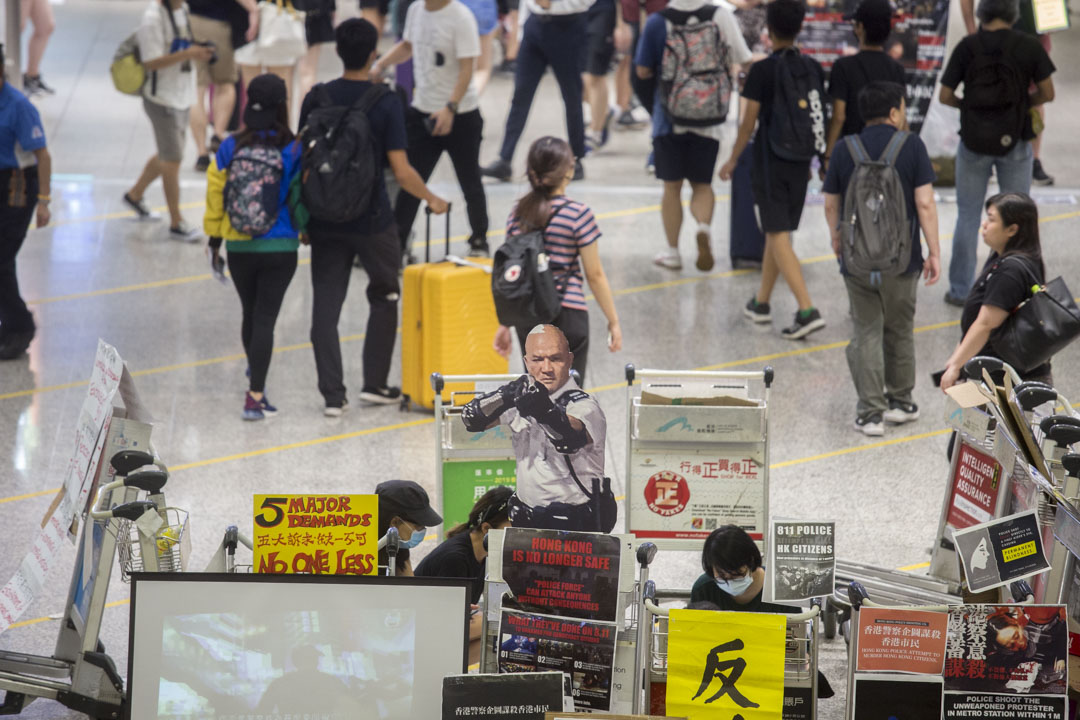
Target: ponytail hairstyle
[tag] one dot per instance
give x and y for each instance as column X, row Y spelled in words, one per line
column 492, row 508
column 550, row 160
column 1020, row 210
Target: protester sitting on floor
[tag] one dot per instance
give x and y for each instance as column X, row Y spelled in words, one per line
column 734, row 575
column 405, row 506
column 464, row 554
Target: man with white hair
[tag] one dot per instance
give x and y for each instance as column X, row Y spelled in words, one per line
column 558, row 433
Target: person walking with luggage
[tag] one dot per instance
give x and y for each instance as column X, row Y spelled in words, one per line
column 351, row 215
column 690, row 44
column 442, row 39
column 996, row 66
column 785, row 96
column 1011, row 231
column 247, row 191
column 554, row 36
column 880, row 253
column 872, row 23
column 24, row 196
column 570, row 241
column 558, row 432
column 167, row 53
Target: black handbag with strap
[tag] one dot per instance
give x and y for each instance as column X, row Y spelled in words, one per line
column 1039, row 327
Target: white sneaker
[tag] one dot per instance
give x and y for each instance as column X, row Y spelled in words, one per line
column 668, row 258
column 185, row 232
column 870, row 425
column 705, row 260
column 901, row 412
column 335, row 412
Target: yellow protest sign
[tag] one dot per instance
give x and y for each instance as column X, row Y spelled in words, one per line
column 725, row 664
column 319, row 534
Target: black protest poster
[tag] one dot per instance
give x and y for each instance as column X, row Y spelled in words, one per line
column 553, row 572
column 885, row 697
column 962, row 706
column 583, row 649
column 1001, row 551
column 798, row 703
column 502, row 697
column 803, row 562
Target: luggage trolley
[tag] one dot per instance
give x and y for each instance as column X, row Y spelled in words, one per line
column 725, row 442
column 800, row 656
column 149, row 536
column 467, row 464
column 858, row 598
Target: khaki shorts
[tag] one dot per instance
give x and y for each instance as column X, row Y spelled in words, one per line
column 224, row 71
column 170, row 130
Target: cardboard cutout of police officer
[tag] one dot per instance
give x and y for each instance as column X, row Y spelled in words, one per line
column 558, row 433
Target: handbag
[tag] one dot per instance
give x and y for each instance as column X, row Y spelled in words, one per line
column 1039, row 327
column 282, row 32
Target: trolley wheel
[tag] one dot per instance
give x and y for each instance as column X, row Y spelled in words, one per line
column 830, row 620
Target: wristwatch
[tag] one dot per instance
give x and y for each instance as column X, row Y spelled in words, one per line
column 453, row 106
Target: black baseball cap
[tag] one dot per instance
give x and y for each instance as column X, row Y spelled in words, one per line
column 265, row 94
column 407, row 500
column 869, row 11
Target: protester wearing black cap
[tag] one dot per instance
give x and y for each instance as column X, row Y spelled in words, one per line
column 872, row 23
column 405, row 506
column 247, row 204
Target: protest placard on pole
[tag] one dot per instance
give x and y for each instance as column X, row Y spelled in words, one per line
column 321, row 534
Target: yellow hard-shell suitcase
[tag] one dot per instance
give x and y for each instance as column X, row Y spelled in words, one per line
column 448, row 323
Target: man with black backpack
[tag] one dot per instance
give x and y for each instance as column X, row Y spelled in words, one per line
column 785, row 96
column 997, row 65
column 878, row 193
column 351, row 130
column 693, row 49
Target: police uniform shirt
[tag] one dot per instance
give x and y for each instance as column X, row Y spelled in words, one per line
column 543, row 477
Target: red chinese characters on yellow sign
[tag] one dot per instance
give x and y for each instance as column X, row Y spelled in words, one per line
column 318, row 534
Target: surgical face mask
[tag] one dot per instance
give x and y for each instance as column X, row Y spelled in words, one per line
column 736, row 586
column 416, row 538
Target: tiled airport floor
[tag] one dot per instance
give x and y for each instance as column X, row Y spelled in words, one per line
column 97, row 273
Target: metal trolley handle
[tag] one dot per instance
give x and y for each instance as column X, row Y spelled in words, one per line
column 810, row 614
column 149, row 481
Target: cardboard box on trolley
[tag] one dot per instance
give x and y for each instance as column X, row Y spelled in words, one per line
column 698, row 412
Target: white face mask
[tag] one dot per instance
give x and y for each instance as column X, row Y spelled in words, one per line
column 736, row 586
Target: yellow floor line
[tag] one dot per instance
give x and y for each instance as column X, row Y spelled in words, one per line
column 916, row 566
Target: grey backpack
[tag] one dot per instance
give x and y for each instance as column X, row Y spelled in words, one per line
column 875, row 228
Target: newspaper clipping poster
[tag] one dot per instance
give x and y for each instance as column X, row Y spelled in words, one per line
column 802, row 560
column 998, row 552
column 1006, row 650
column 897, row 640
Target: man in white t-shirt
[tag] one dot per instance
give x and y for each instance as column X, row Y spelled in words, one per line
column 168, row 54
column 685, row 152
column 442, row 38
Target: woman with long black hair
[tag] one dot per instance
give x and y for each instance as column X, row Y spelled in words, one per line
column 248, row 184
column 1011, row 230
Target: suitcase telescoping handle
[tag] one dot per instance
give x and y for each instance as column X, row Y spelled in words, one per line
column 427, row 232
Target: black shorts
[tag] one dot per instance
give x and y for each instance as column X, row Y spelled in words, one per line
column 320, row 28
column 779, row 191
column 383, row 6
column 507, row 6
column 686, row 156
column 600, row 39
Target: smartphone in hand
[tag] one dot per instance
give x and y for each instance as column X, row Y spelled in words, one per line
column 935, row 378
column 429, row 124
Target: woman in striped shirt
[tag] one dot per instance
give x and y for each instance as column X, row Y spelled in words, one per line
column 570, row 235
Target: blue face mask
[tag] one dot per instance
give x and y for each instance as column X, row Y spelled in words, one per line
column 737, row 586
column 416, row 538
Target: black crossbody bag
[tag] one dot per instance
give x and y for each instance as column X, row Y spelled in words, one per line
column 1039, row 327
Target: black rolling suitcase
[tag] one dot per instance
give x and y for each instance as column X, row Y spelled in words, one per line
column 746, row 241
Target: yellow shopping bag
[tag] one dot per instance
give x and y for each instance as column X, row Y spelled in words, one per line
column 726, row 664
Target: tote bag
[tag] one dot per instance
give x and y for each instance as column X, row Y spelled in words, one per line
column 282, row 36
column 1039, row 327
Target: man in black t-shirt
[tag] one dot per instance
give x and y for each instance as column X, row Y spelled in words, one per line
column 881, row 355
column 779, row 185
column 1033, row 65
column 872, row 25
column 372, row 236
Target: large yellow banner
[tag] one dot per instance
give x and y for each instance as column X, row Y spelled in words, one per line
column 320, row 534
column 725, row 664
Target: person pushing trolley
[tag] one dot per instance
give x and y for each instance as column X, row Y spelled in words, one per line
column 558, row 433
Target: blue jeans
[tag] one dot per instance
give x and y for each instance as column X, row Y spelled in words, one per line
column 972, row 177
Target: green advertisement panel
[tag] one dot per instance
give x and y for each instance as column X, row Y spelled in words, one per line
column 465, row 481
